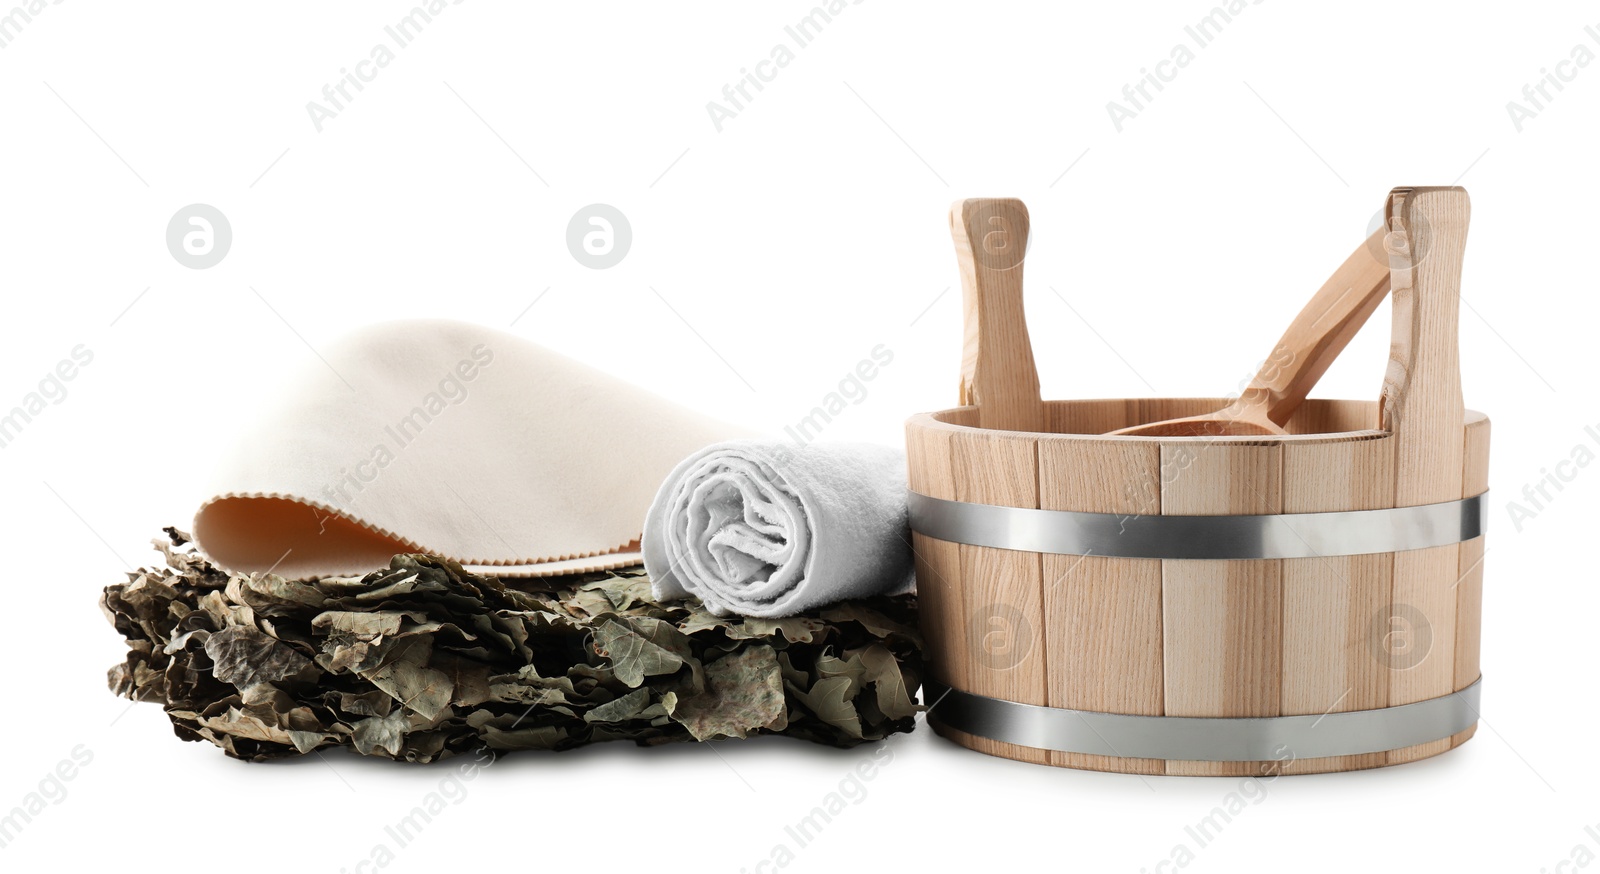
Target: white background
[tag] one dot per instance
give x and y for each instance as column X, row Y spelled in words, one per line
column 808, row 230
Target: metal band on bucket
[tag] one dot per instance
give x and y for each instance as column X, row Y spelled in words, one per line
column 1118, row 535
column 1204, row 739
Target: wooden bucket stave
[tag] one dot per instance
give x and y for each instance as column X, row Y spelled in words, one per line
column 1218, row 639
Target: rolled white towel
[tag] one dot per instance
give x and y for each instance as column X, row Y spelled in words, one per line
column 768, row 529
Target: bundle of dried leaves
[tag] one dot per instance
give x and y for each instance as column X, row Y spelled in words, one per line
column 424, row 660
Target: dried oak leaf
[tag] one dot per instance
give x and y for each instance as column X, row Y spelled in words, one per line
column 246, row 657
column 640, row 648
column 829, row 699
column 423, row 660
column 622, row 709
column 404, row 674
column 381, row 732
column 744, row 692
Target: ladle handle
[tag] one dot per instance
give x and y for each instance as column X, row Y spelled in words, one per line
column 1318, row 334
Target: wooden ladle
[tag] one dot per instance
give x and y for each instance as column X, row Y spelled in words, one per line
column 1314, row 339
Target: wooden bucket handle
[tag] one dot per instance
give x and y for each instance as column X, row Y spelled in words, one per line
column 1425, row 245
column 997, row 370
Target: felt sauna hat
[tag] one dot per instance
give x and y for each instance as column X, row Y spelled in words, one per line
column 452, row 439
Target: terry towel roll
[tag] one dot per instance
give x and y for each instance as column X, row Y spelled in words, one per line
column 768, row 529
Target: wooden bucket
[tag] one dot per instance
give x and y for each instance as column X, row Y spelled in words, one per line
column 1203, row 605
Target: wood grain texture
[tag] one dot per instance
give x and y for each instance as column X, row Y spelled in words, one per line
column 1469, row 585
column 1205, row 638
column 1221, row 620
column 1422, row 406
column 1469, row 588
column 1330, row 602
column 997, row 369
column 1103, row 614
column 1090, row 623
column 941, row 604
column 1085, row 417
column 1320, row 416
column 930, row 471
column 1003, row 643
column 1316, row 420
column 1321, row 330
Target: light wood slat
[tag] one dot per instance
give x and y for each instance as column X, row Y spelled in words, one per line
column 1103, row 614
column 1330, row 603
column 1422, row 405
column 1469, row 586
column 1221, row 620
column 1003, row 642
